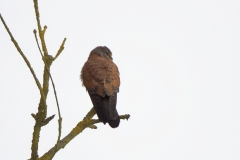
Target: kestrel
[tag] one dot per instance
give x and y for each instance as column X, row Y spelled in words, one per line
column 100, row 76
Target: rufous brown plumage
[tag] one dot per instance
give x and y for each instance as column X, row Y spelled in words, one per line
column 100, row 76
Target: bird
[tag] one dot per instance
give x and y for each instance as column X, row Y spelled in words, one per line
column 100, row 77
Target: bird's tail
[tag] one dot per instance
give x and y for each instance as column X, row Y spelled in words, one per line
column 105, row 108
column 114, row 123
column 109, row 113
column 114, row 118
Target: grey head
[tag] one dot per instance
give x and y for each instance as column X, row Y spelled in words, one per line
column 102, row 51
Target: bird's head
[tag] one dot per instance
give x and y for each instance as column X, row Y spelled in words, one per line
column 102, row 51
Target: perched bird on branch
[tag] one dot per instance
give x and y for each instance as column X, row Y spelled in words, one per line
column 100, row 76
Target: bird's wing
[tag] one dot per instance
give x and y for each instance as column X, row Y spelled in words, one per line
column 100, row 76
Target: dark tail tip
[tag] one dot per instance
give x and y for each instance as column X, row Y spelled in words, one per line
column 114, row 123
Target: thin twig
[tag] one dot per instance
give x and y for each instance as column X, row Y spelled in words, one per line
column 40, row 31
column 35, row 34
column 60, row 49
column 25, row 59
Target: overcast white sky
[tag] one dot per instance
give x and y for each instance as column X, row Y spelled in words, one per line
column 179, row 65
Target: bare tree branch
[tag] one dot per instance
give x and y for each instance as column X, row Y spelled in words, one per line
column 55, row 93
column 85, row 123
